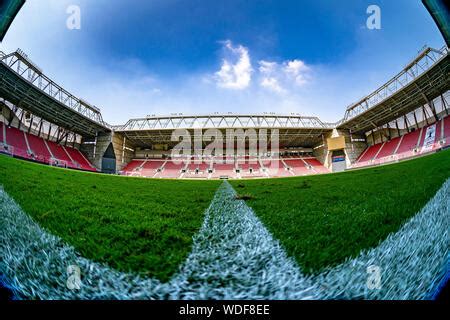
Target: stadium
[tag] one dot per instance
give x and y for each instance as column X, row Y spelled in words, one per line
column 225, row 205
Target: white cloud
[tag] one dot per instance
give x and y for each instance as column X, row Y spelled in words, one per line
column 269, row 77
column 235, row 74
column 280, row 77
column 297, row 70
column 272, row 84
column 267, row 67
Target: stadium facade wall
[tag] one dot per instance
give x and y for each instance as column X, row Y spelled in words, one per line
column 123, row 150
column 95, row 149
column 321, row 154
column 355, row 144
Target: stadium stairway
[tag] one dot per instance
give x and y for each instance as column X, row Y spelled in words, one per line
column 60, row 154
column 78, row 158
column 388, row 148
column 297, row 166
column 276, row 168
column 316, row 165
column 409, row 143
column 197, row 170
column 133, row 167
column 39, row 149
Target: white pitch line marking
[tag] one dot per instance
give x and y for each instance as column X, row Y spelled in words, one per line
column 233, row 257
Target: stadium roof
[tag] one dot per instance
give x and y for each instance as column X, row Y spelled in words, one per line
column 294, row 130
column 426, row 77
column 422, row 80
column 223, row 121
column 24, row 84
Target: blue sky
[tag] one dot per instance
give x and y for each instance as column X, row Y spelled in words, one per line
column 135, row 58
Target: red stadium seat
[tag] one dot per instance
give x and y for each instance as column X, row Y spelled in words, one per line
column 28, row 146
column 39, row 148
column 408, row 144
column 370, row 153
column 447, row 131
column 276, row 168
column 224, row 170
column 388, row 148
column 59, row 153
column 16, row 139
column 172, row 169
column 150, row 167
column 249, row 167
column 297, row 166
column 132, row 166
column 198, row 170
column 316, row 165
column 79, row 158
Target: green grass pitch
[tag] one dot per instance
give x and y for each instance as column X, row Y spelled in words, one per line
column 146, row 225
column 321, row 220
column 132, row 224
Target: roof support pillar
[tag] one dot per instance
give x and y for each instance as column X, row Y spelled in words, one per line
column 415, row 120
column 398, row 129
column 406, row 123
column 49, row 131
column 31, row 123
column 381, row 135
column 58, row 131
column 425, row 115
column 444, row 104
column 123, row 148
column 95, row 145
column 433, row 109
column 21, row 119
column 40, row 128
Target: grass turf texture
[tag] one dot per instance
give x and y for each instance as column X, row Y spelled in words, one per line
column 322, row 220
column 132, row 224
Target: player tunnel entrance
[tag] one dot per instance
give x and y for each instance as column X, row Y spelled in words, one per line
column 109, row 160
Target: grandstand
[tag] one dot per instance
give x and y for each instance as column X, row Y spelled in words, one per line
column 404, row 118
column 409, row 145
column 233, row 168
column 145, row 228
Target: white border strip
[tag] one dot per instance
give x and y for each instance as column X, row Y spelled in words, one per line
column 233, row 257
